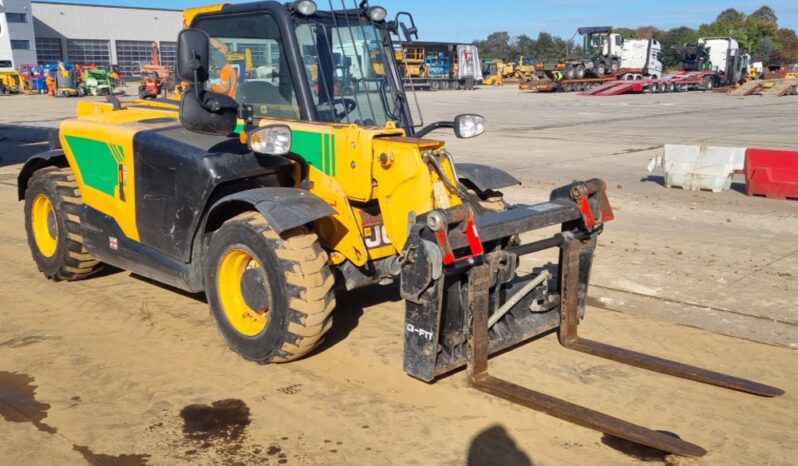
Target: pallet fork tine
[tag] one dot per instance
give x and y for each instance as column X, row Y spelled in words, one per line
column 479, row 378
column 569, row 338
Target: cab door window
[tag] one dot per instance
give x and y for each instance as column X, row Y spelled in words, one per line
column 247, row 62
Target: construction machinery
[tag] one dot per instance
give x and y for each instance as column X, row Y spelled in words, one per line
column 155, row 77
column 522, row 70
column 267, row 201
column 35, row 77
column 11, row 82
column 63, row 80
column 97, row 80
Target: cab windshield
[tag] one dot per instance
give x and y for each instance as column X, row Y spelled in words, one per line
column 347, row 66
column 348, row 71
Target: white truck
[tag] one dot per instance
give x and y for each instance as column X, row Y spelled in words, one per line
column 725, row 57
column 644, row 55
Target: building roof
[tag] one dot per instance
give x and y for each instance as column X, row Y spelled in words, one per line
column 106, row 6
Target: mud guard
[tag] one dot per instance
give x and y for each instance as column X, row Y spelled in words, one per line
column 35, row 162
column 483, row 177
column 284, row 208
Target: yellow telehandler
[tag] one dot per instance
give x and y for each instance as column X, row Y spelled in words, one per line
column 307, row 180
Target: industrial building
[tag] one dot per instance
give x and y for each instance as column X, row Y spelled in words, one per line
column 44, row 32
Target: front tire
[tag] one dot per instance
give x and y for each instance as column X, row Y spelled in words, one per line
column 271, row 296
column 52, row 222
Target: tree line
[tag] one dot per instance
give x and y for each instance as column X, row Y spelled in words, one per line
column 758, row 33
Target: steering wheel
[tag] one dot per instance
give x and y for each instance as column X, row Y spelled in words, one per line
column 349, row 106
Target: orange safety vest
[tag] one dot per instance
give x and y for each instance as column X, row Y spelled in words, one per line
column 228, row 83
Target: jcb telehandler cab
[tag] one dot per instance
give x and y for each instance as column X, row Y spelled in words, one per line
column 302, row 181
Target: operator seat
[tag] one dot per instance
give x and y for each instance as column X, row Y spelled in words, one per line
column 262, row 94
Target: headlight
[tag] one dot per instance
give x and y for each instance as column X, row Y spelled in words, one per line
column 306, row 7
column 271, row 140
column 469, row 126
column 377, row 13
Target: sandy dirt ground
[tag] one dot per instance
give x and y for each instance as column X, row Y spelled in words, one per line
column 119, row 371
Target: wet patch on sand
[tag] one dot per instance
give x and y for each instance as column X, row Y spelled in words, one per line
column 224, row 419
column 219, row 430
column 18, row 401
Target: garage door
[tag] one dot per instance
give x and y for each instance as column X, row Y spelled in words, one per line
column 89, row 51
column 131, row 54
column 48, row 50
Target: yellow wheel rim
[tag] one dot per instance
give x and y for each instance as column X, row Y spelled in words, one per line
column 241, row 314
column 45, row 225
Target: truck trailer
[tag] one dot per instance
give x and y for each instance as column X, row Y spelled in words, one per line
column 439, row 65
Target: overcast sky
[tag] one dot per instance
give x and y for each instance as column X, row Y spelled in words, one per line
column 466, row 20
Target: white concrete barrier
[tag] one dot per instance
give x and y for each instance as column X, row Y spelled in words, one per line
column 699, row 167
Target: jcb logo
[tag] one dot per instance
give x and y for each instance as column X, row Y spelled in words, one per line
column 376, row 236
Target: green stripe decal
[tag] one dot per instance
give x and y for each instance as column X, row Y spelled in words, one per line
column 318, row 149
column 334, row 160
column 97, row 162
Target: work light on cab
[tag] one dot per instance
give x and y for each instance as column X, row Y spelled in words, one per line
column 377, row 13
column 305, row 7
column 271, row 140
column 469, row 126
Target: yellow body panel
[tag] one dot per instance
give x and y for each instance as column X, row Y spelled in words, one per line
column 190, row 13
column 340, row 233
column 171, row 104
column 402, row 185
column 97, row 124
column 406, row 184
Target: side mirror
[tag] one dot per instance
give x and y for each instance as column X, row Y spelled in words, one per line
column 407, row 32
column 193, row 55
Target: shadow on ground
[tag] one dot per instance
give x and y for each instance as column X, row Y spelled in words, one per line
column 350, row 308
column 660, row 180
column 635, row 450
column 495, row 447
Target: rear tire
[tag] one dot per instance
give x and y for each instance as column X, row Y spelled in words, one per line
column 52, row 222
column 270, row 295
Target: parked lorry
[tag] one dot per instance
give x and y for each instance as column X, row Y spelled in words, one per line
column 705, row 65
column 644, row 55
column 720, row 60
column 600, row 55
column 439, row 65
column 641, row 59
